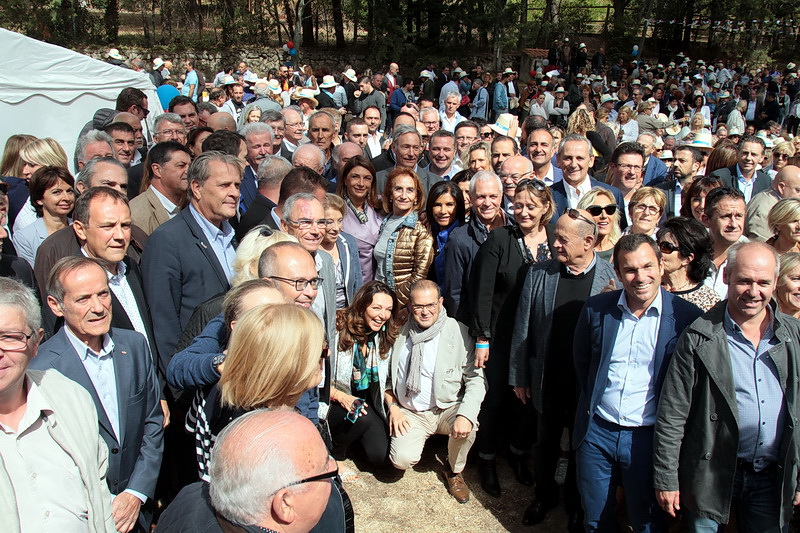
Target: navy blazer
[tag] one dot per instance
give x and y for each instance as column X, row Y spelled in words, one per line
column 351, row 266
column 595, row 335
column 656, row 170
column 559, row 191
column 180, row 271
column 728, row 177
column 134, row 457
column 248, row 189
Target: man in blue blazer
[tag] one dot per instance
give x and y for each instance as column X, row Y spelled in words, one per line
column 654, row 169
column 188, row 259
column 115, row 367
column 743, row 176
column 575, row 159
column 623, row 344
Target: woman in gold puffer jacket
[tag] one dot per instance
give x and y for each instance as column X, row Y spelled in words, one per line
column 404, row 251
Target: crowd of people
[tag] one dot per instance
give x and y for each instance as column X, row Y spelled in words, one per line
column 292, row 270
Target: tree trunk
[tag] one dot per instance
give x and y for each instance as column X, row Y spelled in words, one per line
column 338, row 22
column 370, row 21
column 111, row 20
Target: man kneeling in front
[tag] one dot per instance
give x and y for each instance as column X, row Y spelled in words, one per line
column 436, row 388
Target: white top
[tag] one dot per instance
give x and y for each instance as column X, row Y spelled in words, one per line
column 425, row 400
column 171, row 208
column 574, row 194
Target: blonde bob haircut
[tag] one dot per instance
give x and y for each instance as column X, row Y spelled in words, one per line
column 595, row 196
column 789, row 263
column 785, row 211
column 46, row 152
column 273, row 355
column 258, row 239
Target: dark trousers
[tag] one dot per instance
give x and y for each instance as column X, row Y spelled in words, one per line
column 502, row 414
column 546, row 453
column 369, row 430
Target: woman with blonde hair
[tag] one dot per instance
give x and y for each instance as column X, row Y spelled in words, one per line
column 251, row 113
column 628, row 127
column 788, row 288
column 696, row 125
column 35, row 155
column 478, row 157
column 600, row 203
column 11, row 165
column 645, row 209
column 404, row 251
column 310, row 80
column 582, row 123
column 784, row 221
column 343, row 250
column 781, row 154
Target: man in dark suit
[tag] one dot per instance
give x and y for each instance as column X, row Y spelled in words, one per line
column 116, row 368
column 548, row 310
column 623, row 344
column 654, row 168
column 258, row 137
column 271, row 172
column 188, row 259
column 406, row 149
column 575, row 159
column 686, row 166
column 743, row 176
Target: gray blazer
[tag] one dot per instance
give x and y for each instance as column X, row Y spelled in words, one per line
column 530, row 342
column 351, row 266
column 697, row 431
column 135, row 456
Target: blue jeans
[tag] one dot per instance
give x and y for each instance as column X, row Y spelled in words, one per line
column 611, row 455
column 755, row 499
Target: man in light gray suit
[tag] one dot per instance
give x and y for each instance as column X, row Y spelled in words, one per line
column 115, row 367
column 436, row 388
column 541, row 364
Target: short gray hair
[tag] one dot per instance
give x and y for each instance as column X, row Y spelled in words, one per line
column 288, row 206
column 199, row 170
column 733, row 254
column 646, row 134
column 272, row 170
column 248, row 472
column 256, row 128
column 173, row 118
column 402, row 129
column 261, row 88
column 309, row 147
column 485, row 175
column 271, row 115
column 314, row 116
column 64, row 266
column 14, row 293
column 90, row 137
column 90, row 169
column 428, row 110
column 574, row 137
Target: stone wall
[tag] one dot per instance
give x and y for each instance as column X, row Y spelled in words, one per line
column 260, row 61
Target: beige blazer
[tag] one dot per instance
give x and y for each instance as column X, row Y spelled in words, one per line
column 455, row 378
column 147, row 211
column 74, row 427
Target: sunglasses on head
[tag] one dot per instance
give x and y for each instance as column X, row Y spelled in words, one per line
column 537, row 184
column 595, row 210
column 574, row 214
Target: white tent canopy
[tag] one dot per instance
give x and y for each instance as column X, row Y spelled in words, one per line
column 49, row 91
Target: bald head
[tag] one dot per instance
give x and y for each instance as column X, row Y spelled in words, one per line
column 787, row 182
column 133, row 121
column 514, row 169
column 343, row 153
column 221, row 121
column 309, row 155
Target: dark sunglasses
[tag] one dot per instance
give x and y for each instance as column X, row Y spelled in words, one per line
column 595, row 210
column 327, row 475
column 537, row 184
column 145, row 111
column 667, row 247
column 574, row 214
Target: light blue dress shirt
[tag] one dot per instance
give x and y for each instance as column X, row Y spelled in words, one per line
column 629, row 398
column 759, row 396
column 221, row 240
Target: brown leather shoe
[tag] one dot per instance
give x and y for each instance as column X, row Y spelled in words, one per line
column 457, row 486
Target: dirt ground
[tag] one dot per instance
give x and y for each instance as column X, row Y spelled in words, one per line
column 389, row 501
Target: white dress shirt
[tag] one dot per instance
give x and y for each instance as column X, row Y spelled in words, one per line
column 425, row 400
column 574, row 194
column 171, row 208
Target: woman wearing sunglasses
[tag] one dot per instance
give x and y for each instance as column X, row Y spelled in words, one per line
column 600, row 203
column 780, row 157
column 686, row 251
column 498, row 275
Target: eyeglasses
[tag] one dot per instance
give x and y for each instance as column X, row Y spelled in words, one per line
column 625, row 166
column 431, row 122
column 265, row 231
column 321, row 477
column 595, row 210
column 144, row 111
column 537, row 184
column 294, row 125
column 651, row 209
column 418, row 308
column 14, row 340
column 300, row 284
column 487, row 134
column 574, row 214
column 668, row 247
column 780, row 156
column 171, row 133
column 306, row 223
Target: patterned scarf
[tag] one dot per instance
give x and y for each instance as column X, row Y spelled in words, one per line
column 361, row 214
column 365, row 368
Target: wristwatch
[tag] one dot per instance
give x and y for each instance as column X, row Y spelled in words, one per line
column 218, row 360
